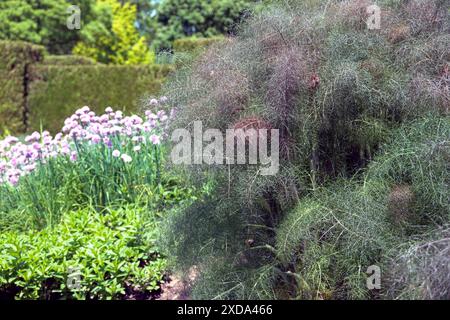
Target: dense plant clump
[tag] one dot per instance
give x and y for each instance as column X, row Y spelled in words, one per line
column 96, row 160
column 80, row 211
column 90, row 255
column 421, row 270
column 337, row 92
column 332, row 236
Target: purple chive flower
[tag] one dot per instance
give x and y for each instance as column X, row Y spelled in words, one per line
column 36, row 146
column 107, row 142
column 11, row 140
column 14, row 180
column 118, row 115
column 85, row 119
column 155, row 139
column 83, row 127
column 96, row 138
column 104, row 118
column 35, row 136
column 85, row 109
column 65, row 150
column 47, row 140
column 73, row 156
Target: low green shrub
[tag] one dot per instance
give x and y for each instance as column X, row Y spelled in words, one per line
column 90, row 255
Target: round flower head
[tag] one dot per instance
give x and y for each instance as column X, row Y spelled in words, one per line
column 118, row 115
column 116, row 153
column 85, row 109
column 155, row 139
column 96, row 138
column 126, row 158
column 14, row 179
column 73, row 156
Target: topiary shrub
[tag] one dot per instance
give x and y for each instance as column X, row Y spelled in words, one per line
column 38, row 90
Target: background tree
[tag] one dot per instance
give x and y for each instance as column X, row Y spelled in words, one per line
column 145, row 21
column 183, row 18
column 41, row 22
column 112, row 36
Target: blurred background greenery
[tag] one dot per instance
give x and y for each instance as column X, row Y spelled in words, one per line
column 47, row 70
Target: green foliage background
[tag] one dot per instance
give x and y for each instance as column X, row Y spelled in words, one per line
column 178, row 19
column 41, row 22
column 113, row 37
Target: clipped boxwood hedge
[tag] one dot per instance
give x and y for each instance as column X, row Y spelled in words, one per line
column 67, row 60
column 15, row 57
column 193, row 44
column 56, row 90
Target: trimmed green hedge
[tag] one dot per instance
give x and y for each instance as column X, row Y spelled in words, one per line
column 15, row 57
column 67, row 60
column 38, row 89
column 193, row 44
column 57, row 91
